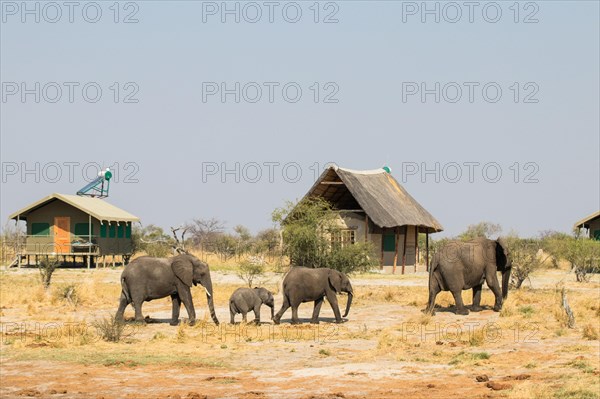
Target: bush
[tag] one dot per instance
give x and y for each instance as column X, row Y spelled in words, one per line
column 524, row 254
column 249, row 271
column 47, row 268
column 582, row 253
column 68, row 293
column 110, row 329
column 152, row 240
column 307, row 230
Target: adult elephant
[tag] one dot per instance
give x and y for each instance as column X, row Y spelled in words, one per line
column 304, row 284
column 147, row 278
column 464, row 265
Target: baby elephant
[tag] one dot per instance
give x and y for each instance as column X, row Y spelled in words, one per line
column 244, row 300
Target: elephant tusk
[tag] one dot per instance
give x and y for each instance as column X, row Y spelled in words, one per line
column 207, row 293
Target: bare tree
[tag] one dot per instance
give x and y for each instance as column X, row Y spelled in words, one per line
column 179, row 246
column 205, row 230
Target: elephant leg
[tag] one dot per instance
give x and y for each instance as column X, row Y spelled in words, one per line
column 460, row 306
column 244, row 317
column 176, row 301
column 186, row 298
column 295, row 319
column 332, row 298
column 232, row 313
column 476, row 298
column 492, row 281
column 257, row 314
column 434, row 289
column 137, row 305
column 122, row 305
column 284, row 306
column 316, row 311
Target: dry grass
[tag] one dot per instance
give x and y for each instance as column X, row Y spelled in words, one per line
column 527, row 336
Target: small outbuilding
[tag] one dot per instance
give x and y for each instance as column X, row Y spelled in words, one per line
column 374, row 207
column 71, row 226
column 592, row 224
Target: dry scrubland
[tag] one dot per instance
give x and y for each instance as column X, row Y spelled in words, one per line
column 388, row 348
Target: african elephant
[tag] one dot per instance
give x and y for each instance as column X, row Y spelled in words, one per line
column 304, row 284
column 244, row 300
column 462, row 265
column 147, row 278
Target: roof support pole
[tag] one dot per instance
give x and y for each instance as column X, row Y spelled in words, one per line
column 89, row 241
column 382, row 234
column 18, row 243
column 404, row 249
column 416, row 247
column 397, row 239
column 427, row 251
column 366, row 227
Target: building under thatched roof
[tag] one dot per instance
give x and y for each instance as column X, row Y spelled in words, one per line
column 591, row 223
column 374, row 206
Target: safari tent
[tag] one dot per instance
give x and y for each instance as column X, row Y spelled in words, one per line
column 373, row 206
column 592, row 224
column 71, row 226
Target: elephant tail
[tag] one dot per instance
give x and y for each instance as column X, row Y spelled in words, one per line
column 125, row 289
column 232, row 307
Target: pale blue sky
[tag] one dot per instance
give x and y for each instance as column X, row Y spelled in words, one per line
column 368, row 55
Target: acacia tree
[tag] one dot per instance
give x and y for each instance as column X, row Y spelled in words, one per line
column 481, row 229
column 307, row 227
column 526, row 258
column 204, row 231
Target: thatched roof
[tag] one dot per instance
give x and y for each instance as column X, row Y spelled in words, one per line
column 375, row 192
column 96, row 207
column 585, row 222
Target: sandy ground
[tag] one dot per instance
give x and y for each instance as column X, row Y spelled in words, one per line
column 386, row 348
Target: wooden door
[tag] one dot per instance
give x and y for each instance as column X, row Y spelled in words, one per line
column 62, row 234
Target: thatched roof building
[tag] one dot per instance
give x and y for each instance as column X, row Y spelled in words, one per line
column 591, row 223
column 374, row 206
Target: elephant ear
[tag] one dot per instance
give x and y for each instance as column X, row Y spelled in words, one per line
column 501, row 253
column 262, row 293
column 335, row 279
column 183, row 269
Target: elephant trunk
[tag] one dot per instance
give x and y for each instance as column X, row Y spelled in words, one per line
column 348, row 304
column 209, row 297
column 505, row 281
column 273, row 312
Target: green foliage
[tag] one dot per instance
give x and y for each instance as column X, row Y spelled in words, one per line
column 582, row 253
column 525, row 257
column 351, row 258
column 481, row 229
column 152, row 240
column 249, row 271
column 307, row 228
column 225, row 245
column 47, row 267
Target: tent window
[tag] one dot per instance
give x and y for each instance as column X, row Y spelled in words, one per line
column 40, row 229
column 389, row 242
column 83, row 229
column 103, row 230
column 112, row 231
column 120, row 231
column 128, row 230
